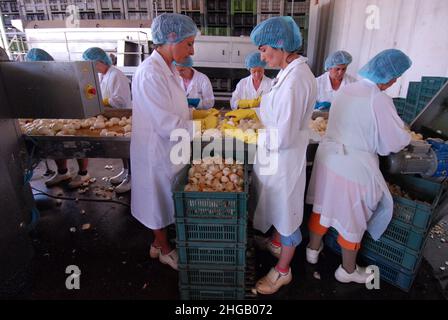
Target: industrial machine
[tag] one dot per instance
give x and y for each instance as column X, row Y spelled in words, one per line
column 32, row 89
column 428, row 158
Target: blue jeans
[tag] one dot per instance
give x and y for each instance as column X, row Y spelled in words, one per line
column 292, row 240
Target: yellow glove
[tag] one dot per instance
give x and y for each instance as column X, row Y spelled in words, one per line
column 213, row 112
column 245, row 103
column 209, row 122
column 200, row 114
column 106, row 102
column 242, row 114
column 249, row 136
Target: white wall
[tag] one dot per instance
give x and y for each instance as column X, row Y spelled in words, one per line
column 417, row 27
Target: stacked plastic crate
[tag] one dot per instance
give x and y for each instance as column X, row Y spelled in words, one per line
column 194, row 9
column 217, row 18
column 299, row 10
column 269, row 8
column 211, row 232
column 400, row 104
column 430, row 86
column 243, row 16
column 398, row 252
column 419, row 95
column 136, row 9
column 10, row 11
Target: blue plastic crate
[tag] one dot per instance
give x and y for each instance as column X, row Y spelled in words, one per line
column 217, row 276
column 409, row 113
column 405, row 234
column 400, row 104
column 211, row 293
column 416, row 212
column 389, row 271
column 391, row 251
column 210, row 205
column 211, row 253
column 216, row 230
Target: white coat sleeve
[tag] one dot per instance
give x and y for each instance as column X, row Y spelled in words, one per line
column 236, row 95
column 152, row 93
column 208, row 99
column 120, row 92
column 391, row 134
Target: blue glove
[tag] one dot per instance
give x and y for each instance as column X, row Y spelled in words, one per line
column 322, row 106
column 193, row 102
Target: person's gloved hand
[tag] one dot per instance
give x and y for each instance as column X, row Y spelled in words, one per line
column 322, row 106
column 193, row 102
column 106, row 102
column 200, row 114
column 246, row 103
column 239, row 114
column 213, row 112
column 248, row 136
column 209, row 122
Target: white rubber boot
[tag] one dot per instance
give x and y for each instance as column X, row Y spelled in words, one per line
column 57, row 179
column 119, row 177
column 124, row 186
column 359, row 275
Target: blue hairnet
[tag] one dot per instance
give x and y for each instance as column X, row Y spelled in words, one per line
column 278, row 32
column 97, row 54
column 172, row 28
column 385, row 66
column 36, row 54
column 186, row 63
column 253, row 60
column 337, row 58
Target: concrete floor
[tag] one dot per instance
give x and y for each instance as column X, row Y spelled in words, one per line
column 112, row 254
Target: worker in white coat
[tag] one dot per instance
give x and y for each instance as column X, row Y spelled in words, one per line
column 159, row 108
column 116, row 94
column 347, row 189
column 197, row 85
column 253, row 86
column 333, row 79
column 285, row 110
column 62, row 174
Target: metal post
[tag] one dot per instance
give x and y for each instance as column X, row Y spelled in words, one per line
column 3, row 36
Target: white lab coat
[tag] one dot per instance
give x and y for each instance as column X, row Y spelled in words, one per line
column 115, row 87
column 346, row 186
column 200, row 87
column 245, row 90
column 159, row 107
column 288, row 108
column 325, row 92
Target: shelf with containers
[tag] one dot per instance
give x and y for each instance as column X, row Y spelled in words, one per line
column 190, row 5
column 270, row 6
column 297, row 7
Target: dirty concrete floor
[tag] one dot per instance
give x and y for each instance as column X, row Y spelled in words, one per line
column 112, row 254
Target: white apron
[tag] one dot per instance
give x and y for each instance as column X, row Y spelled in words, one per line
column 347, row 187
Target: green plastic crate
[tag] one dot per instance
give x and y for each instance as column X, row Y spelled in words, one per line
column 216, row 230
column 200, row 276
column 405, row 234
column 389, row 271
column 400, row 104
column 211, row 205
column 243, row 6
column 391, row 251
column 412, row 97
column 211, row 293
column 416, row 213
column 212, row 253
